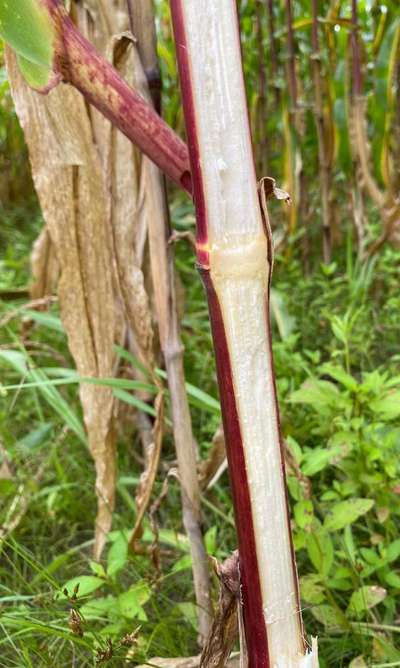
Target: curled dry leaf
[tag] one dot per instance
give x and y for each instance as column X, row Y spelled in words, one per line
column 212, row 468
column 148, row 477
column 224, row 629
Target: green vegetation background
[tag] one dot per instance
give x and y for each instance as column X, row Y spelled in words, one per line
column 336, row 347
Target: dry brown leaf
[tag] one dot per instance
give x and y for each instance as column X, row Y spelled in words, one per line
column 148, row 477
column 224, row 630
column 123, row 168
column 211, row 468
column 69, row 183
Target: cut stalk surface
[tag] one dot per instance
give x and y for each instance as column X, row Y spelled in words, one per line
column 235, row 258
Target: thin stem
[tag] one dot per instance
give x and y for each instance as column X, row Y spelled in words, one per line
column 273, row 51
column 164, row 281
column 141, row 19
column 324, row 168
column 292, row 77
column 357, row 75
column 262, row 139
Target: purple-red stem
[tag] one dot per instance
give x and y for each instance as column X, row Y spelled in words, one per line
column 79, row 64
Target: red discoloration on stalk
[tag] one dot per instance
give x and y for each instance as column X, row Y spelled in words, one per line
column 80, row 64
column 255, row 629
column 190, row 123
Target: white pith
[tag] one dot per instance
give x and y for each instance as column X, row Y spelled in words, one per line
column 239, row 270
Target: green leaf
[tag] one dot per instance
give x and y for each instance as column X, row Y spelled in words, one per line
column 189, row 613
column 304, row 514
column 117, row 555
column 183, row 564
column 384, row 650
column 196, row 396
column 210, row 540
column 340, row 584
column 387, row 407
column 87, row 585
column 320, row 550
column 35, row 75
column 365, row 598
column 349, row 544
column 393, row 551
column 284, row 321
column 346, row 512
column 358, row 662
column 130, row 399
column 97, row 569
column 20, row 362
column 99, row 608
column 393, row 580
column 130, row 603
column 317, row 459
column 322, row 395
column 328, row 616
column 26, row 26
column 48, row 320
column 311, row 590
column 339, row 374
column 35, row 438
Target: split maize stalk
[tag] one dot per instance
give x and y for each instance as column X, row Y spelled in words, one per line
column 234, row 254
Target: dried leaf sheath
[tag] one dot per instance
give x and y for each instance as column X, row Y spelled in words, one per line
column 68, row 180
column 235, row 260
